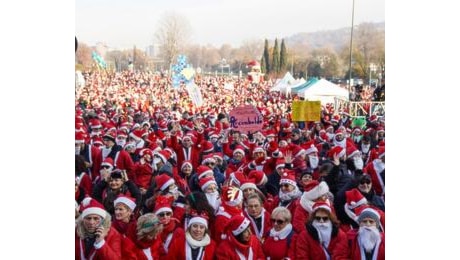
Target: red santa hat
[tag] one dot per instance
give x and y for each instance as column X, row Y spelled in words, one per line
column 206, row 181
column 259, row 177
column 238, row 149
column 162, row 155
column 186, row 162
column 94, row 123
column 163, row 204
column 79, row 138
column 288, row 178
column 203, row 170
column 91, row 206
column 96, row 141
column 128, row 201
column 207, row 147
column 321, row 205
column 232, row 196
column 314, row 190
column 108, row 162
column 352, row 151
column 146, row 151
column 122, row 133
column 111, row 135
column 270, row 133
column 280, row 162
column 190, row 137
column 163, row 181
column 258, row 149
column 373, row 119
column 199, row 219
column 209, row 158
column 238, row 224
column 336, row 150
column 248, row 183
column 163, row 125
column 335, row 118
column 136, row 135
column 218, row 155
column 236, row 178
column 310, row 147
column 297, row 150
column 213, row 134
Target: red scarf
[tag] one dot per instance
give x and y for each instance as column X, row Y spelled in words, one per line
column 243, row 248
column 233, row 211
column 169, row 228
column 120, row 226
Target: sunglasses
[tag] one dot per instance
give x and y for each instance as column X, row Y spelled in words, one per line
column 365, row 182
column 105, row 167
column 210, row 164
column 163, row 214
column 277, row 221
column 322, row 218
column 284, row 185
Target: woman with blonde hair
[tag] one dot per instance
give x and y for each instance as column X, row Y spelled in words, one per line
column 147, row 242
column 281, row 239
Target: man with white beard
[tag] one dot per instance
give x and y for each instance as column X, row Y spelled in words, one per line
column 367, row 242
column 209, row 187
column 322, row 237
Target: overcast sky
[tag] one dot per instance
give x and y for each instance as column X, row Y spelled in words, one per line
column 123, row 23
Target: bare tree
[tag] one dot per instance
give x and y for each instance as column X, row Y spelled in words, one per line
column 172, row 34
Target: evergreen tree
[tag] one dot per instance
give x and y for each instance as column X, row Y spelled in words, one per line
column 276, row 58
column 283, row 57
column 266, row 57
column 262, row 65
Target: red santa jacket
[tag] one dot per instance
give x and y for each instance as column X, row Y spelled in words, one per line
column 178, row 249
column 377, row 181
column 121, row 160
column 265, row 224
column 192, row 154
column 271, row 204
column 143, row 175
column 84, row 180
column 308, row 245
column 355, row 250
column 170, row 232
column 227, row 249
column 277, row 248
column 110, row 248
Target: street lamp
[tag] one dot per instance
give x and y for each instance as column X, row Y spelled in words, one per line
column 372, row 67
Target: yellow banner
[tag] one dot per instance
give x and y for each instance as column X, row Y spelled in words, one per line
column 306, row 110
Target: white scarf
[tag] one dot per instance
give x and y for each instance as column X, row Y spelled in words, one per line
column 259, row 233
column 290, row 195
column 105, row 152
column 192, row 243
column 282, row 234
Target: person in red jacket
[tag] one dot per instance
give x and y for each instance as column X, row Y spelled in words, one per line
column 124, row 214
column 231, row 205
column 94, row 236
column 240, row 243
column 143, row 171
column 196, row 241
column 259, row 217
column 144, row 242
column 281, row 239
column 322, row 239
column 367, row 242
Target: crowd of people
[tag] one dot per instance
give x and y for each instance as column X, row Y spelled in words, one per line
column 158, row 177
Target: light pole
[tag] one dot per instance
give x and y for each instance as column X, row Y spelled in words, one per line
column 351, row 43
column 372, row 67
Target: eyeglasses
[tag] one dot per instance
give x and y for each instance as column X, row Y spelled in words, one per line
column 277, row 221
column 284, row 185
column 365, row 182
column 210, row 164
column 163, row 214
column 321, row 218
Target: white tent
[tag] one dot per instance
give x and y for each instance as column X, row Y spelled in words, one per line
column 286, row 83
column 324, row 91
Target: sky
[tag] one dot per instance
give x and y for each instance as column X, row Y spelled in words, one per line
column 123, row 24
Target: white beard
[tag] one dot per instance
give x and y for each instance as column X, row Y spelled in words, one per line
column 368, row 237
column 324, row 231
column 365, row 148
column 290, row 195
column 213, row 200
column 379, row 166
column 314, row 160
column 358, row 162
column 105, row 152
column 342, row 143
column 121, row 142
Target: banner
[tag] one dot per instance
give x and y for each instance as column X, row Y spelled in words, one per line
column 195, row 93
column 306, row 110
column 246, row 118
